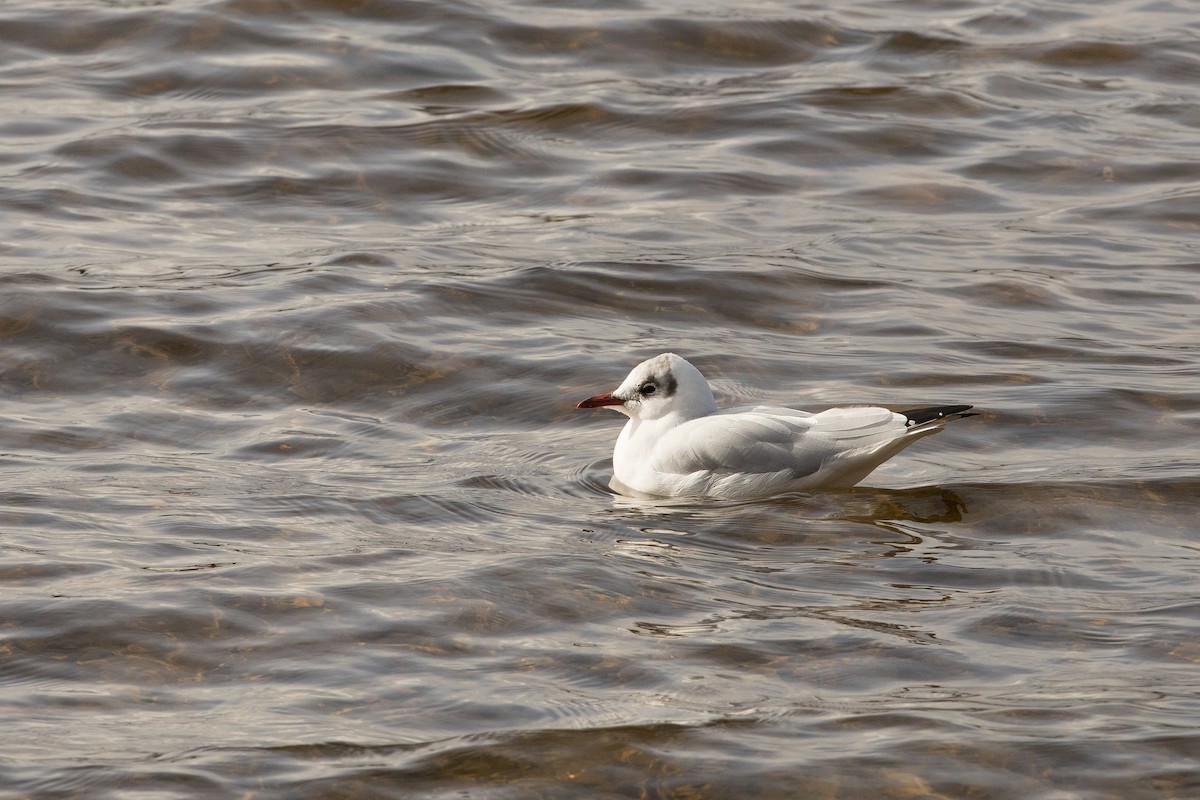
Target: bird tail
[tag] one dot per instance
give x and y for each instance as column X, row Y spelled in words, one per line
column 938, row 415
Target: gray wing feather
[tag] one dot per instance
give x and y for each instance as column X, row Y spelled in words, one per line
column 749, row 442
column 768, row 440
column 858, row 427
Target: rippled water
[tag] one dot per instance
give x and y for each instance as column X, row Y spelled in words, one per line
column 297, row 298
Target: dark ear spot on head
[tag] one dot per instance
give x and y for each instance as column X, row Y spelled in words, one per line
column 669, row 385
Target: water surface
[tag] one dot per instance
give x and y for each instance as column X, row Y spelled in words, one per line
column 297, row 299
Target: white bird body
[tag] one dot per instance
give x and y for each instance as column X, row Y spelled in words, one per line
column 677, row 443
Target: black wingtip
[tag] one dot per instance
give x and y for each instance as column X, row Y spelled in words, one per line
column 923, row 416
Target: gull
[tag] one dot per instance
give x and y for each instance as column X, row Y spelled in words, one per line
column 678, row 443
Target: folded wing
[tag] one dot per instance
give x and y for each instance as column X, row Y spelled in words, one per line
column 748, row 442
column 837, row 447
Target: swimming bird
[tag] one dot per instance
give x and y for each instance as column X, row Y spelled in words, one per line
column 678, row 443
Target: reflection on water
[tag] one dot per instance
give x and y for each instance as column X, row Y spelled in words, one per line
column 295, row 301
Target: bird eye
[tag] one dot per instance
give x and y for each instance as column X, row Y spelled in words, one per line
column 646, row 389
